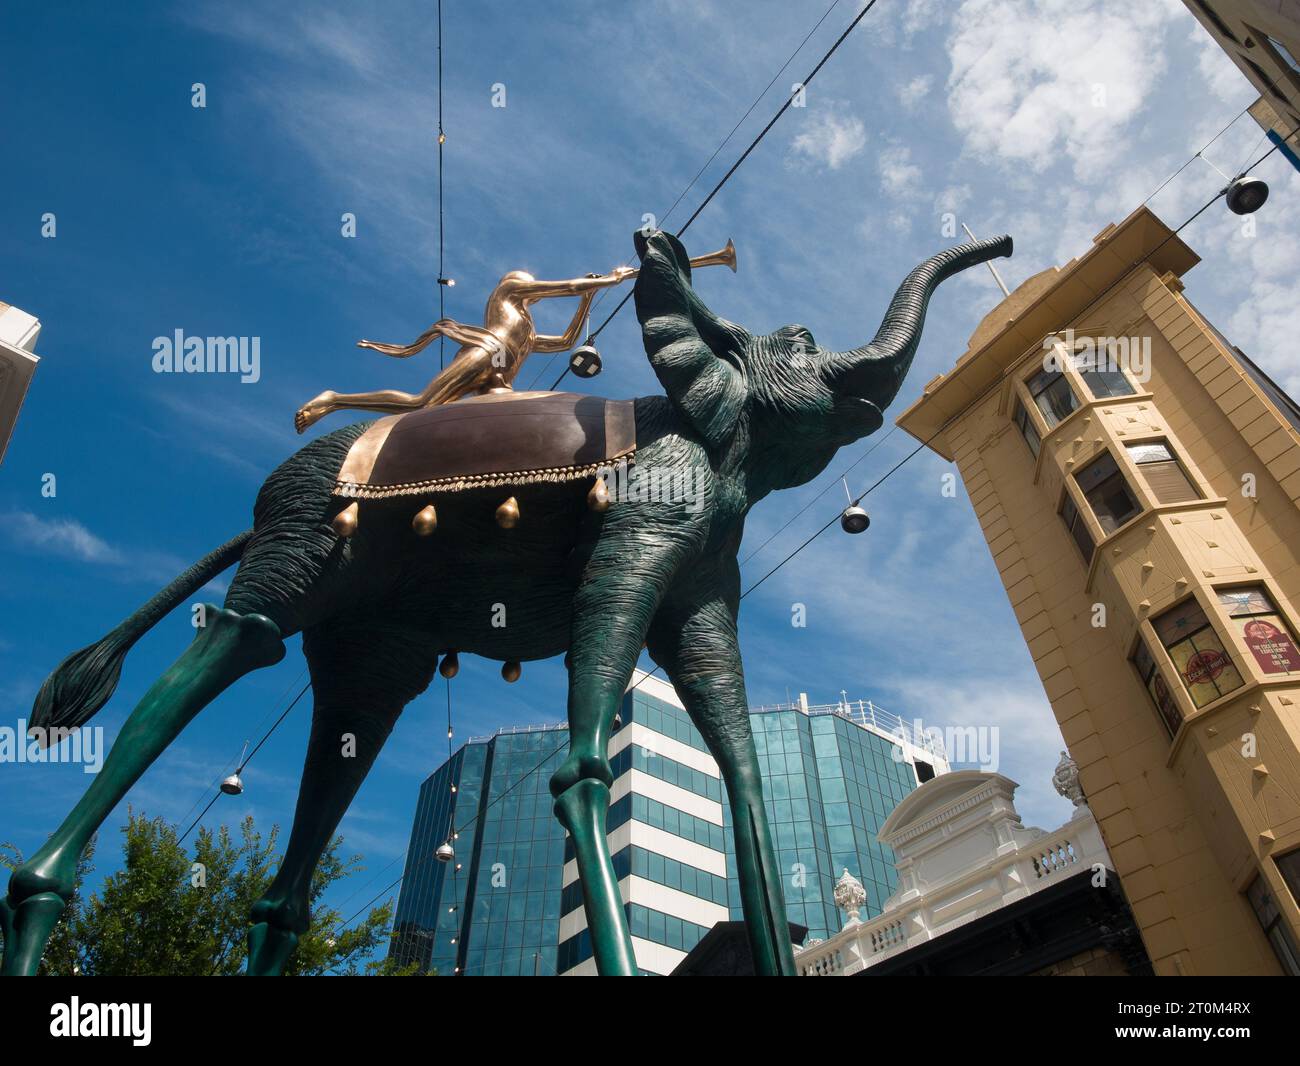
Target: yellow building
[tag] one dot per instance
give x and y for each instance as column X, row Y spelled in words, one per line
column 1263, row 38
column 1138, row 482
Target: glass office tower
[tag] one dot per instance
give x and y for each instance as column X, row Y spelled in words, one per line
column 510, row 902
column 495, row 907
column 831, row 776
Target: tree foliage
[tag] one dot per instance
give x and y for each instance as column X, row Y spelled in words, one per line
column 170, row 913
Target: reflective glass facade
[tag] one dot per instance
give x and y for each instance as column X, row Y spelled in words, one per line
column 828, row 786
column 495, row 909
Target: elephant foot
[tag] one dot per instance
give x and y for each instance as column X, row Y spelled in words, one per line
column 27, row 927
column 582, row 810
column 313, row 411
column 271, row 940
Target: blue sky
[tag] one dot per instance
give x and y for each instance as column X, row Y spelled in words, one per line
column 226, row 221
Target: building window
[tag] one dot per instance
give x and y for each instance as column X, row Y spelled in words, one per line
column 1270, row 919
column 1289, row 865
column 1284, row 53
column 1261, row 628
column 1267, row 81
column 1217, row 22
column 1104, row 383
column 1053, row 396
column 1107, row 493
column 1164, row 474
column 1027, row 428
column 1204, row 668
column 1157, row 687
column 1078, row 528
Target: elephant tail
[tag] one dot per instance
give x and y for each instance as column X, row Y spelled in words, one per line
column 85, row 680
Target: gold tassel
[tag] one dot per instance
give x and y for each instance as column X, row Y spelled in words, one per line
column 598, row 497
column 345, row 522
column 425, row 521
column 450, row 665
column 508, row 514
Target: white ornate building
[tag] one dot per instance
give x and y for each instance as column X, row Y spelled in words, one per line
column 963, row 857
column 18, row 333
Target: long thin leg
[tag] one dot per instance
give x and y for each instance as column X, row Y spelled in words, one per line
column 468, row 371
column 463, row 333
column 697, row 644
column 359, row 694
column 612, row 611
column 227, row 647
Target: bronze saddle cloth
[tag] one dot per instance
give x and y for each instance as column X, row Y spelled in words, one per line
column 503, row 438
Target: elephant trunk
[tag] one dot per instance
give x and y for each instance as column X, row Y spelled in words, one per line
column 876, row 370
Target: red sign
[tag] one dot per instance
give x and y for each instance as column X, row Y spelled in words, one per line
column 1205, row 666
column 1271, row 647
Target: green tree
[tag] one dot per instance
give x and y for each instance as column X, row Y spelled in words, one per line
column 172, row 914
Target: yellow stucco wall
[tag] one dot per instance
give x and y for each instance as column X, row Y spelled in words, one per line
column 1189, row 821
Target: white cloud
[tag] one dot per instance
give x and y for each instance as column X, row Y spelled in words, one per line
column 911, row 94
column 954, row 198
column 899, row 176
column 1262, row 272
column 921, row 15
column 900, row 222
column 830, row 140
column 65, row 537
column 1028, row 742
column 1220, row 73
column 1033, row 80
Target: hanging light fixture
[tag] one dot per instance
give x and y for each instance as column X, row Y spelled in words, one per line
column 445, row 852
column 585, row 361
column 234, row 784
column 1245, row 195
column 855, row 518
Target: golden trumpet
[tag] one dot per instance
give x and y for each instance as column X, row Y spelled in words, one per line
column 722, row 257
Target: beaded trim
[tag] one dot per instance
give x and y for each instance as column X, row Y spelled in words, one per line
column 555, row 474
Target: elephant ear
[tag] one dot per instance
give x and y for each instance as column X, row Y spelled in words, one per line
column 687, row 344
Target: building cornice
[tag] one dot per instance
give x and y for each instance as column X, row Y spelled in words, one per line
column 1141, row 239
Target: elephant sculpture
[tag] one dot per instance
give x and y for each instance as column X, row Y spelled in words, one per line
column 743, row 415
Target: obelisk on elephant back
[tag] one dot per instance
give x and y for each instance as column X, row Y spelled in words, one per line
column 489, row 501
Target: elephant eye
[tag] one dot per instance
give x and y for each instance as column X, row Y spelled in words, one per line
column 799, row 341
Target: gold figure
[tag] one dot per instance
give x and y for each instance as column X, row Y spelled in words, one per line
column 491, row 354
